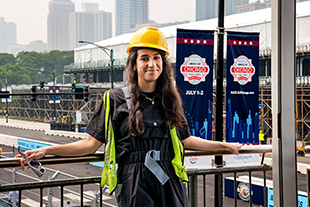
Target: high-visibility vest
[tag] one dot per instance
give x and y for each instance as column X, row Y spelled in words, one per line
column 109, row 175
column 261, row 137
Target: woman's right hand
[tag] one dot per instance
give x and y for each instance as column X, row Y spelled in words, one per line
column 32, row 155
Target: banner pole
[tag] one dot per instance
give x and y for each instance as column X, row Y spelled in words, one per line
column 218, row 179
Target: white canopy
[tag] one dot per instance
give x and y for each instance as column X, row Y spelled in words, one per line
column 255, row 21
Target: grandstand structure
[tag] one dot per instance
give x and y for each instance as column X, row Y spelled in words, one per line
column 92, row 65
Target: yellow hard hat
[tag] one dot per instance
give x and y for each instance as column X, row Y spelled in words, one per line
column 149, row 37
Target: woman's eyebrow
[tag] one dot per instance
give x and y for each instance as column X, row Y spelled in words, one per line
column 146, row 55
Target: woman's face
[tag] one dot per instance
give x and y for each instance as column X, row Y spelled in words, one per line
column 149, row 66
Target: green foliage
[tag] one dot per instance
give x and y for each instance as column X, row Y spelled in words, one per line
column 15, row 74
column 6, row 58
column 26, row 67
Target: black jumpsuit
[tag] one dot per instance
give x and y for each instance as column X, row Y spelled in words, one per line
column 140, row 187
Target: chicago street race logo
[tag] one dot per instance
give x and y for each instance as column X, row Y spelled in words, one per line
column 243, row 190
column 242, row 70
column 194, row 69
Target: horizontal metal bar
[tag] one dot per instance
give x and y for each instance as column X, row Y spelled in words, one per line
column 193, row 172
column 74, row 181
column 245, row 149
column 49, row 184
column 53, row 160
column 43, row 94
column 99, row 157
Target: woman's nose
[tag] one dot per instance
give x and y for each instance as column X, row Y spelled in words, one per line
column 151, row 63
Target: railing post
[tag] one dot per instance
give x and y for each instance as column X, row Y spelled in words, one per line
column 50, row 190
column 192, row 191
column 308, row 185
column 14, row 181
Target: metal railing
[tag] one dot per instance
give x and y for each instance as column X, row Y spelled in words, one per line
column 98, row 157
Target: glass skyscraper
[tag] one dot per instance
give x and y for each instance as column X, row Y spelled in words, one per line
column 128, row 13
column 91, row 26
column 58, row 24
column 208, row 9
column 7, row 35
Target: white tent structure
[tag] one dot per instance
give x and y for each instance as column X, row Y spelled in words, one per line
column 255, row 21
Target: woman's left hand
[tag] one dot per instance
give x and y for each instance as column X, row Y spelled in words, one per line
column 234, row 147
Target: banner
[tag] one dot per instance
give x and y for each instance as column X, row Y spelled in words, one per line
column 242, row 87
column 7, row 89
column 51, row 96
column 194, row 77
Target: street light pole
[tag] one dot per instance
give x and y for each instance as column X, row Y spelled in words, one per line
column 110, row 55
column 218, row 178
column 54, row 91
column 6, row 101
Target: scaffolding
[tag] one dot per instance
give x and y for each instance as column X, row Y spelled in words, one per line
column 43, row 109
column 81, row 112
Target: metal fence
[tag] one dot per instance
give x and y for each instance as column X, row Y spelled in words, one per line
column 197, row 177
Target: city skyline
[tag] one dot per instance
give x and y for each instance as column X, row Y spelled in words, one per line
column 30, row 16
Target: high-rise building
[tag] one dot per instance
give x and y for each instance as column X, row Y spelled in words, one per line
column 7, row 35
column 208, row 9
column 128, row 13
column 89, row 26
column 231, row 5
column 36, row 45
column 2, row 35
column 89, row 7
column 252, row 6
column 58, row 24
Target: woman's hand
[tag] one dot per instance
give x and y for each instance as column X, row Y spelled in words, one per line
column 79, row 148
column 32, row 155
column 197, row 143
column 234, row 147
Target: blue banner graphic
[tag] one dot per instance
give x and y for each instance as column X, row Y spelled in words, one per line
column 302, row 198
column 51, row 96
column 30, row 145
column 242, row 123
column 194, row 77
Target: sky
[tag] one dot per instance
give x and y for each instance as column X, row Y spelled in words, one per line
column 30, row 16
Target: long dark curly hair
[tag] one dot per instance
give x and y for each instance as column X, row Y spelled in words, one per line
column 166, row 91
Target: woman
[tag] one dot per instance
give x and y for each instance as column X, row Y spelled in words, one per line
column 148, row 125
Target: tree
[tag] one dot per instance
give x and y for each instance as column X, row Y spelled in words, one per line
column 6, row 58
column 29, row 59
column 15, row 74
column 55, row 60
column 27, row 66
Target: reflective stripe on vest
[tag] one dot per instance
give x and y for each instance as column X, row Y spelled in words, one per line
column 109, row 169
column 177, row 161
column 109, row 175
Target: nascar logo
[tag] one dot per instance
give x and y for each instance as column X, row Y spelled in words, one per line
column 194, row 69
column 242, row 70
